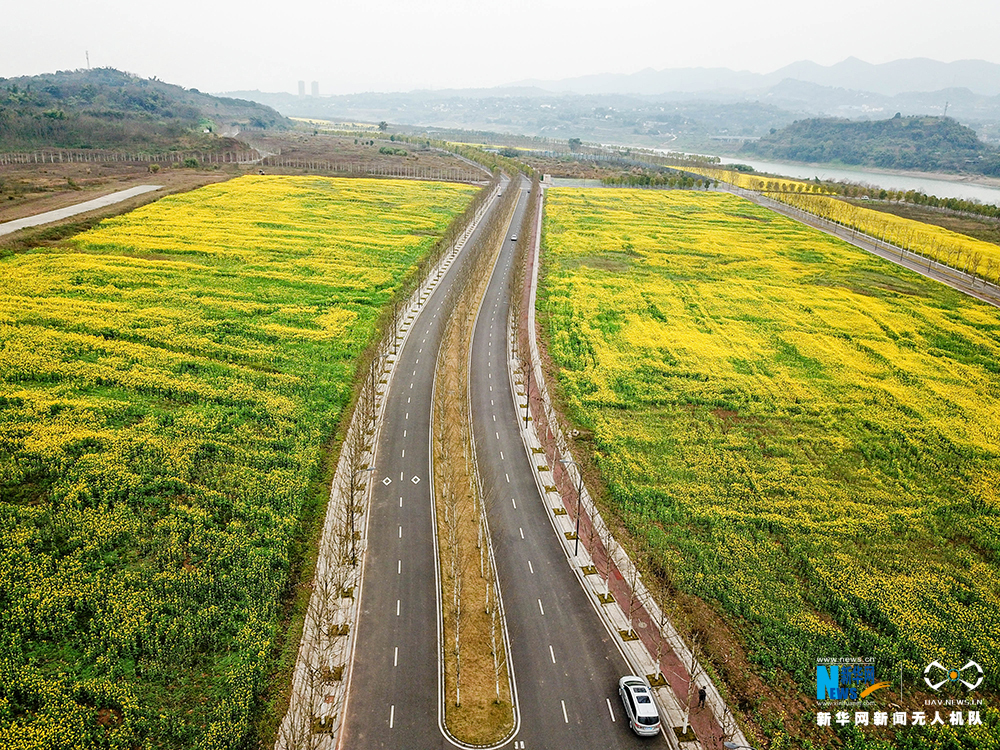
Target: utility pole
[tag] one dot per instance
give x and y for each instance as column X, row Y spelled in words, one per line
column 88, row 59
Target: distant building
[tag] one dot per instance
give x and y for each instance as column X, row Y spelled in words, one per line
column 315, row 88
column 302, row 88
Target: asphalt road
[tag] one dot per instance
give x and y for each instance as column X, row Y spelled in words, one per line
column 566, row 665
column 393, row 696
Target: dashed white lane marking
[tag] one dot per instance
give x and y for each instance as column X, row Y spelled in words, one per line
column 553, row 655
column 494, row 417
column 411, row 384
column 395, row 656
column 501, row 455
column 522, row 531
column 565, row 717
column 397, row 608
column 400, row 476
column 404, row 453
column 418, row 361
column 531, row 567
column 542, row 610
column 399, row 567
column 400, row 532
column 514, row 503
column 407, row 415
column 409, row 397
column 414, row 373
column 498, row 435
column 491, row 403
column 491, row 389
column 401, row 502
column 392, row 715
column 508, row 478
column 404, row 433
column 611, row 710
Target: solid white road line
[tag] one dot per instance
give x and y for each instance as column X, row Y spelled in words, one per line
column 611, row 710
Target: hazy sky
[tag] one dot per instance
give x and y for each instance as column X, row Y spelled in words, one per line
column 394, row 45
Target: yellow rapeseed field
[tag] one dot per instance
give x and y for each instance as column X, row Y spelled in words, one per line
column 167, row 382
column 936, row 243
column 806, row 436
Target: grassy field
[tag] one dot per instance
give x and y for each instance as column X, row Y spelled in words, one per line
column 805, row 437
column 167, row 382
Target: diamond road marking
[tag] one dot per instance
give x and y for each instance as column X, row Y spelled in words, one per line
column 415, row 480
column 387, row 481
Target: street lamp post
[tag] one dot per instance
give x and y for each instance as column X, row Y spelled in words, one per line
column 579, row 491
column 354, row 484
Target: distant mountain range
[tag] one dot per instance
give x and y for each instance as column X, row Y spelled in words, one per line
column 888, row 79
column 709, row 110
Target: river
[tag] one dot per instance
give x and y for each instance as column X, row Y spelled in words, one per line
column 929, row 185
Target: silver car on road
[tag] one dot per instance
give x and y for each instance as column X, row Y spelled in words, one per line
column 639, row 705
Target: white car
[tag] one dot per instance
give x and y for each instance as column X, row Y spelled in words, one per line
column 639, row 705
column 513, row 238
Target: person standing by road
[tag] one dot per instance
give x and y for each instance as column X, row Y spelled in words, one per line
column 702, row 693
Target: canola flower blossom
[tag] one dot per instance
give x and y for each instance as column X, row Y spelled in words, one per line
column 806, row 436
column 167, row 382
column 942, row 245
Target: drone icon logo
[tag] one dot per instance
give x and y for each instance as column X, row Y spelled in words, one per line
column 952, row 675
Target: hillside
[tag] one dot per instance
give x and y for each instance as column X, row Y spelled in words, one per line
column 933, row 144
column 105, row 108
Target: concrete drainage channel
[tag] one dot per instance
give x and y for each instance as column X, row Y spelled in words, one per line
column 321, row 679
column 622, row 576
